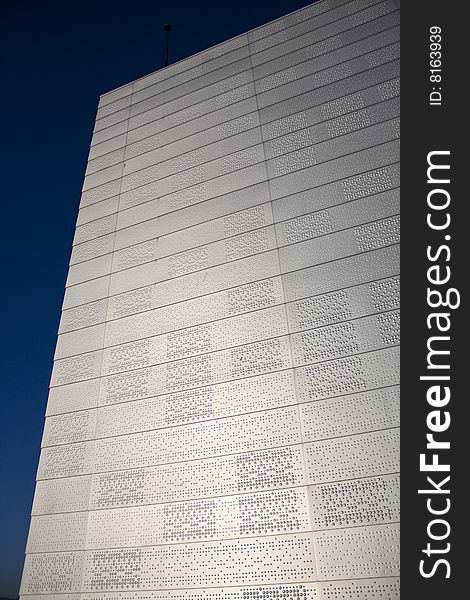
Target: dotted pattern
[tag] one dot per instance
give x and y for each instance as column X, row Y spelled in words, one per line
column 62, row 495
column 135, row 255
column 188, row 197
column 307, row 227
column 358, row 551
column 251, row 297
column 93, row 248
column 383, row 55
column 208, row 519
column 52, row 573
column 236, row 126
column 348, row 375
column 389, row 89
column 342, row 105
column 247, row 219
column 346, row 415
column 232, row 96
column 378, row 234
column 192, row 260
column 209, row 477
column 353, row 503
column 295, row 161
column 375, row 589
column 246, row 244
column 281, row 78
column 332, row 74
column 373, row 12
column 295, row 592
column 355, row 456
column 236, row 397
column 223, row 563
column 291, row 142
column 95, row 229
column 323, row 47
column 240, row 160
column 223, row 419
column 269, row 41
column 70, row 427
column 348, row 123
column 288, row 124
column 82, row 366
column 83, row 316
column 385, row 294
column 373, row 182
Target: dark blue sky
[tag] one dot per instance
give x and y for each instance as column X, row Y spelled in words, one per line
column 56, row 57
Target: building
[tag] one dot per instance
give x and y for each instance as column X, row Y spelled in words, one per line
column 223, row 414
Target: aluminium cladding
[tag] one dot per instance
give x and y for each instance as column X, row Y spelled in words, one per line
column 224, row 407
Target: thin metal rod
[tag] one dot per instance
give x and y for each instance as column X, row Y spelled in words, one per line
column 167, row 28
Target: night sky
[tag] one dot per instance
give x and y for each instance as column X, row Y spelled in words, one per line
column 56, row 57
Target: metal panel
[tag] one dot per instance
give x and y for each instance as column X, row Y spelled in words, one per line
column 95, row 229
column 348, row 167
column 334, row 94
column 223, row 414
column 68, row 494
column 343, row 273
column 99, row 246
column 183, row 70
column 354, row 456
column 74, row 396
column 354, row 413
column 105, row 161
column 276, row 512
column 347, row 375
column 343, row 339
column 223, row 365
column 202, row 257
column 77, row 368
column 185, row 209
column 200, row 404
column 87, row 292
column 269, row 469
column 71, row 427
column 198, row 148
column 83, row 316
column 369, row 53
column 215, row 279
column 282, row 559
column 372, row 589
column 347, row 553
column 110, row 132
column 107, row 146
column 197, row 127
column 52, row 533
column 370, row 501
column 53, row 572
column 209, row 337
column 216, row 95
column 329, row 50
column 269, row 429
column 190, row 88
column 218, row 305
column 91, row 269
column 323, row 33
column 307, row 591
column 379, row 181
column 344, row 304
column 98, row 210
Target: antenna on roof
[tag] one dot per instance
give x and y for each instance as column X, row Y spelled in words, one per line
column 167, row 28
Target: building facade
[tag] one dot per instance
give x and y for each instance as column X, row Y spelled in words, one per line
column 223, row 413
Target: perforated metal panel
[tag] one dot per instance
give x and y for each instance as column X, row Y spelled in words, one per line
column 223, row 417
